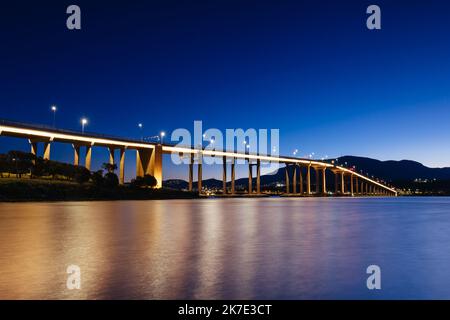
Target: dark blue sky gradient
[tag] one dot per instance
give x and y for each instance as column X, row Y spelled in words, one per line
column 309, row 68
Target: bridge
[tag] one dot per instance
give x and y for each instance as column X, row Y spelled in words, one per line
column 149, row 160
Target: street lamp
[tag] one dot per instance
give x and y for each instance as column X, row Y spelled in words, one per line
column 162, row 136
column 53, row 108
column 140, row 129
column 84, row 122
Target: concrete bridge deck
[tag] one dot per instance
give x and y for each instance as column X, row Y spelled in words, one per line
column 149, row 160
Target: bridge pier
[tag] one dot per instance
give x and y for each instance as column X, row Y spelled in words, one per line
column 294, row 179
column 351, row 185
column 336, row 182
column 324, row 181
column 34, row 147
column 317, row 174
column 156, row 164
column 199, row 173
column 149, row 161
column 287, row 178
column 356, row 185
column 87, row 159
column 308, row 179
column 191, row 171
column 342, row 183
column 122, row 166
column 224, row 175
column 111, row 155
column 76, row 154
column 233, row 175
column 250, row 177
column 258, row 176
column 46, row 150
column 142, row 162
column 300, row 179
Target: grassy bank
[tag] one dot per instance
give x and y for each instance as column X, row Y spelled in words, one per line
column 53, row 190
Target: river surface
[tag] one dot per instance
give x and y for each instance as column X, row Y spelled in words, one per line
column 272, row 248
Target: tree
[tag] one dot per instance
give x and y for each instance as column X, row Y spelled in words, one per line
column 150, row 181
column 97, row 178
column 4, row 164
column 109, row 167
column 20, row 162
column 82, row 175
column 111, row 180
column 145, row 181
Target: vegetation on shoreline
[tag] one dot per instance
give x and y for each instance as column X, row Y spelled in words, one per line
column 50, row 190
column 24, row 177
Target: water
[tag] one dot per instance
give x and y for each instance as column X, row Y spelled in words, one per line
column 270, row 248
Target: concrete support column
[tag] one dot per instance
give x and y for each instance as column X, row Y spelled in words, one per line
column 258, row 176
column 317, row 171
column 199, row 173
column 122, row 166
column 342, row 183
column 46, row 150
column 362, row 187
column 87, row 160
column 336, row 183
column 300, row 179
column 139, row 168
column 351, row 185
column 155, row 167
column 324, row 181
column 191, row 171
column 287, row 178
column 250, row 178
column 294, row 179
column 308, row 179
column 233, row 175
column 356, row 185
column 34, row 147
column 224, row 175
column 76, row 155
column 111, row 155
column 33, row 150
column 142, row 162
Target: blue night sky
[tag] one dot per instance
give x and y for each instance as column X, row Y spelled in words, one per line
column 309, row 68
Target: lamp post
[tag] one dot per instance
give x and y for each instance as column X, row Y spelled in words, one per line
column 53, row 108
column 140, row 129
column 83, row 123
column 162, row 136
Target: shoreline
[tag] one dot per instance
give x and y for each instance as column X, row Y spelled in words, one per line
column 43, row 190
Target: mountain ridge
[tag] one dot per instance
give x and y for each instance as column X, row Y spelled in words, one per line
column 388, row 170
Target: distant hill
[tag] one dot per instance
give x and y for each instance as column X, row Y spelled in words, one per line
column 404, row 170
column 396, row 170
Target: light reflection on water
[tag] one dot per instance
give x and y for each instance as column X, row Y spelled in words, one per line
column 272, row 248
